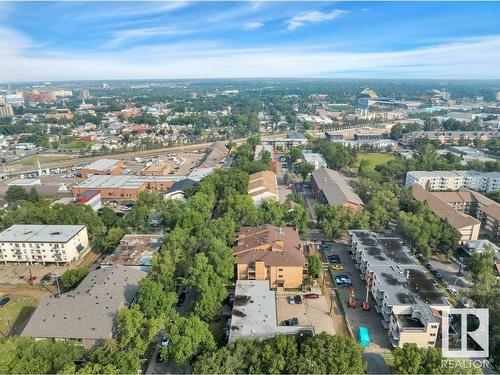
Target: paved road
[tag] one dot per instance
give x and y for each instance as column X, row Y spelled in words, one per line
column 450, row 270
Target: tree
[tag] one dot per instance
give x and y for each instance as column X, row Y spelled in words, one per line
column 189, row 338
column 305, row 169
column 17, row 194
column 295, row 153
column 314, row 264
column 71, row 278
column 154, row 299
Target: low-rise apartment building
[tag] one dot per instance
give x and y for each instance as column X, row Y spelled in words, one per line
column 331, row 188
column 313, row 158
column 134, row 250
column 263, row 185
column 454, row 180
column 61, row 244
column 466, row 225
column 449, row 136
column 407, row 299
column 270, row 253
column 103, row 167
column 291, row 140
column 87, row 314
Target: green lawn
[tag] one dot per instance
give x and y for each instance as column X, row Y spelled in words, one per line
column 33, row 159
column 375, row 158
column 14, row 315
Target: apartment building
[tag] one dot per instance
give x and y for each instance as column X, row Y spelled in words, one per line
column 263, row 185
column 61, row 244
column 103, row 167
column 134, row 250
column 313, row 158
column 466, row 225
column 270, row 253
column 486, row 210
column 6, row 110
column 454, row 180
column 87, row 314
column 291, row 140
column 452, row 137
column 406, row 298
column 331, row 188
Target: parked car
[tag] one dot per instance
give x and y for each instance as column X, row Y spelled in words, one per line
column 181, row 299
column 452, row 291
column 32, row 279
column 47, row 277
column 165, row 341
column 291, row 322
column 465, row 302
column 337, row 267
column 429, row 267
column 4, row 301
column 334, row 259
column 342, row 281
column 294, row 300
column 311, row 296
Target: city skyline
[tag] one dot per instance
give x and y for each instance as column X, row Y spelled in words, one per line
column 174, row 40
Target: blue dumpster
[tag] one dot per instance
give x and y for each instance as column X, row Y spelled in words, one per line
column 364, row 337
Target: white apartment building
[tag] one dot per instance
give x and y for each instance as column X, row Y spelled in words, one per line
column 407, row 299
column 313, row 158
column 62, row 244
column 454, row 180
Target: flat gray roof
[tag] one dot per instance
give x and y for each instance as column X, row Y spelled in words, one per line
column 254, row 312
column 40, row 233
column 88, row 312
column 334, row 187
column 103, row 164
column 122, row 181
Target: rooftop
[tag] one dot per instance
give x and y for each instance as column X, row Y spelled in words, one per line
column 87, row 312
column 134, row 250
column 254, row 312
column 123, row 181
column 40, row 233
column 334, row 187
column 261, row 182
column 103, row 164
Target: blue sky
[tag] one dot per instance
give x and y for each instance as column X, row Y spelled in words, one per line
column 134, row 40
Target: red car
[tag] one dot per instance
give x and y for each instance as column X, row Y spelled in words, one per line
column 32, row 279
column 311, row 296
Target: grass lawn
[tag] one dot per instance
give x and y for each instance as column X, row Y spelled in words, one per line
column 375, row 158
column 32, row 160
column 75, row 145
column 15, row 314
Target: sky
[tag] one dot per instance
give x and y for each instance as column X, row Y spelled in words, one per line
column 72, row 40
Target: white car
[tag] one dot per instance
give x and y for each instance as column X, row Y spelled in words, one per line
column 452, row 290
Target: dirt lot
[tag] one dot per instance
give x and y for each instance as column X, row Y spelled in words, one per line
column 19, row 273
column 311, row 312
column 23, row 301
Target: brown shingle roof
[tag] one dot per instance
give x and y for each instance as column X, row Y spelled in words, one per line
column 261, row 182
column 276, row 246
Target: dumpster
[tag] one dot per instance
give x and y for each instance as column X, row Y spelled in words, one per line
column 364, row 337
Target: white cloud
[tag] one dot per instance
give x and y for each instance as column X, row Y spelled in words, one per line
column 467, row 58
column 313, row 16
column 252, row 26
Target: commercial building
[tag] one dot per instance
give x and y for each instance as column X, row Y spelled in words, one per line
column 291, row 140
column 134, row 250
column 157, row 170
column 466, row 225
column 407, row 299
column 14, row 99
column 61, row 244
column 254, row 314
column 263, row 185
column 270, row 253
column 449, row 136
column 6, row 110
column 331, row 188
column 86, row 314
column 123, row 186
column 103, row 167
column 90, row 198
column 313, row 158
column 454, row 180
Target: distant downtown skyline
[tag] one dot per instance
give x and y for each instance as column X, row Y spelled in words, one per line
column 156, row 40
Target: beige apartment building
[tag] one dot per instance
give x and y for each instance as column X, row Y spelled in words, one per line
column 61, row 244
column 263, row 185
column 270, row 253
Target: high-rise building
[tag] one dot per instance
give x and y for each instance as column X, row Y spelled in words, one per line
column 6, row 110
column 85, row 94
column 498, row 96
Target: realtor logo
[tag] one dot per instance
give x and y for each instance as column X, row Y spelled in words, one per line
column 470, row 339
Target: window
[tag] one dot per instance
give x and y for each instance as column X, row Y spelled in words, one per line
column 280, row 269
column 280, row 276
column 432, row 334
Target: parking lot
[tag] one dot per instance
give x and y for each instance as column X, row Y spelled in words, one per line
column 356, row 317
column 20, row 273
column 311, row 312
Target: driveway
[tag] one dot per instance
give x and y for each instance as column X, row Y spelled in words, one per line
column 450, row 270
column 356, row 317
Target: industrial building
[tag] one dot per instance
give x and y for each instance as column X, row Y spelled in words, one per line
column 157, row 170
column 404, row 295
column 61, row 244
column 90, row 198
column 103, row 167
column 86, row 314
